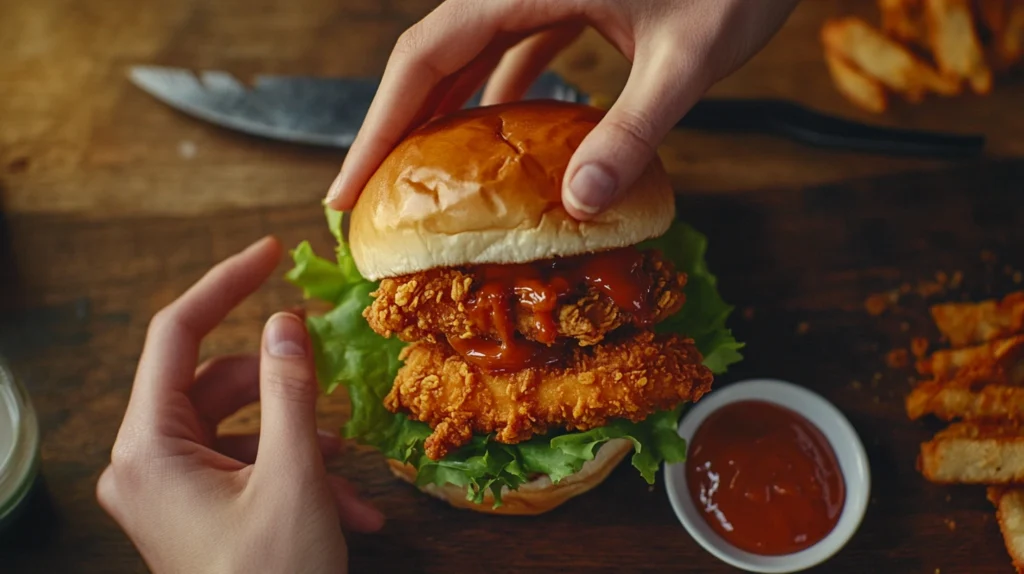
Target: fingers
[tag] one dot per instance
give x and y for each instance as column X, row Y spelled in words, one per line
column 244, row 448
column 469, row 79
column 288, row 449
column 426, row 56
column 167, row 367
column 618, row 149
column 225, row 384
column 522, row 64
column 288, row 393
column 355, row 513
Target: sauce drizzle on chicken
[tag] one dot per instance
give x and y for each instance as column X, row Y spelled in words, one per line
column 618, row 274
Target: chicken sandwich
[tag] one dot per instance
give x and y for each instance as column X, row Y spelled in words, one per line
column 503, row 355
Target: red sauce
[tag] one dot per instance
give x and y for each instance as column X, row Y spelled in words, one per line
column 619, row 274
column 537, row 287
column 765, row 478
column 499, row 357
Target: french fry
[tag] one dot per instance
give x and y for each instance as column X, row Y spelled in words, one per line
column 864, row 91
column 1011, row 44
column 974, row 452
column 1009, row 503
column 971, row 323
column 949, row 402
column 948, row 364
column 955, row 45
column 992, row 14
column 904, row 21
column 878, row 56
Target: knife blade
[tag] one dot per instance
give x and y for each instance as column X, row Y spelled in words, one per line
column 329, row 111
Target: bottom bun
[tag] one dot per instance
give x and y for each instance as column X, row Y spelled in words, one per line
column 535, row 497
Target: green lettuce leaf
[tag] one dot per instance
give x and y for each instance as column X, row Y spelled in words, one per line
column 350, row 354
column 704, row 315
column 319, row 278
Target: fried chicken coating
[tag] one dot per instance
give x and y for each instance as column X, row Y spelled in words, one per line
column 625, row 379
column 439, row 302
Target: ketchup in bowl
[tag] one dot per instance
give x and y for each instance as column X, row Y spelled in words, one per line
column 764, row 478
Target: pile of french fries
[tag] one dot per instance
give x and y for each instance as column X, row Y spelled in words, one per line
column 924, row 47
column 978, row 383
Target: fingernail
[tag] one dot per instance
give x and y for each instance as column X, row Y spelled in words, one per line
column 328, row 434
column 375, row 516
column 330, row 443
column 335, row 190
column 259, row 244
column 286, row 336
column 591, row 189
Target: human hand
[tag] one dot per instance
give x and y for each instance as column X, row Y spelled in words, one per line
column 195, row 502
column 678, row 48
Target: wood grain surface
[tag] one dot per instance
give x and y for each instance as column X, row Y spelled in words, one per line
column 111, row 205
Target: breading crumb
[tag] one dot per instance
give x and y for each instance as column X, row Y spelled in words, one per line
column 956, row 280
column 897, row 358
column 919, row 347
column 876, row 304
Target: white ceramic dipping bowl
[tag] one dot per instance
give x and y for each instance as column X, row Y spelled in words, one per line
column 849, row 451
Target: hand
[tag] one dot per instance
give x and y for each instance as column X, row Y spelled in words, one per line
column 679, row 48
column 195, row 502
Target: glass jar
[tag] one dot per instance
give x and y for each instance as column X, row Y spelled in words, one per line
column 19, row 446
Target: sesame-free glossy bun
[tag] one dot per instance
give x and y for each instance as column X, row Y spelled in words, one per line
column 535, row 497
column 485, row 186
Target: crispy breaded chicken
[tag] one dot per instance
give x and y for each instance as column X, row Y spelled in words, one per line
column 437, row 302
column 627, row 379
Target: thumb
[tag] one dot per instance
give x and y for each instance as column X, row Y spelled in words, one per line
column 616, row 152
column 288, row 392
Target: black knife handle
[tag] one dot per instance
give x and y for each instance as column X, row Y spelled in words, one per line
column 801, row 124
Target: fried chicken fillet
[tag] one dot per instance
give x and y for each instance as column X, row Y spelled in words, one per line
column 436, row 302
column 628, row 379
column 595, row 358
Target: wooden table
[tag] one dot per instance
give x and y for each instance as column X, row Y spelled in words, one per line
column 107, row 215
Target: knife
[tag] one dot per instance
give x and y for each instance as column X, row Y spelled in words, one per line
column 329, row 111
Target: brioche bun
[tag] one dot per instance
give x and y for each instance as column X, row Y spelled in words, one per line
column 485, row 186
column 535, row 497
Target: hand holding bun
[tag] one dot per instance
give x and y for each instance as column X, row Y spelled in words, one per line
column 679, row 48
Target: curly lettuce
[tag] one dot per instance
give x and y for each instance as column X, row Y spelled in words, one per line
column 350, row 354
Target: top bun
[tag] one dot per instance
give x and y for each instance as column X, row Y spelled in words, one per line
column 485, row 186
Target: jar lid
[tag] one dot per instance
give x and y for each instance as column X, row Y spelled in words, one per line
column 19, row 443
